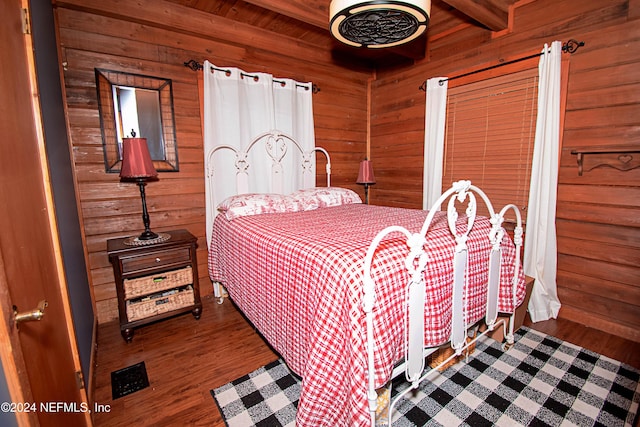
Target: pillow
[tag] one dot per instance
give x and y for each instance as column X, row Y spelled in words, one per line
column 254, row 204
column 324, row 197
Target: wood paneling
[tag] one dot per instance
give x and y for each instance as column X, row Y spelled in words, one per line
column 598, row 222
column 156, row 38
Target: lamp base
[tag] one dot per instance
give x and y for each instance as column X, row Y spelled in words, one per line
column 148, row 235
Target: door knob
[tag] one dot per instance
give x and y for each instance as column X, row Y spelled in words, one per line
column 28, row 316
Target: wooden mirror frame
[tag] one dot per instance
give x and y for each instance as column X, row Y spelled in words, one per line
column 105, row 80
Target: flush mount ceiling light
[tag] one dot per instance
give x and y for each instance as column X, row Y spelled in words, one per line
column 377, row 23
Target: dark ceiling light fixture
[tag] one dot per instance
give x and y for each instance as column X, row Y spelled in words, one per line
column 378, row 24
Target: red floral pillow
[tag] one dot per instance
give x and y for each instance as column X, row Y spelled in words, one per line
column 254, row 204
column 323, row 197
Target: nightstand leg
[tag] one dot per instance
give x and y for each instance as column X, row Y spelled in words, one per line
column 197, row 311
column 127, row 334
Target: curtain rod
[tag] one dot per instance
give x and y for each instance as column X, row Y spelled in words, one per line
column 196, row 66
column 569, row 47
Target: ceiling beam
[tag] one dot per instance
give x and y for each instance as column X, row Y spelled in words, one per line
column 314, row 12
column 486, row 12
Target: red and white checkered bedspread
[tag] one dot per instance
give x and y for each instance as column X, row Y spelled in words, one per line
column 298, row 278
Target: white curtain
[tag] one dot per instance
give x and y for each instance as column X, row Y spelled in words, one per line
column 238, row 107
column 435, row 119
column 540, row 259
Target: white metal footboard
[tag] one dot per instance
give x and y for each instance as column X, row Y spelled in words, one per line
column 416, row 261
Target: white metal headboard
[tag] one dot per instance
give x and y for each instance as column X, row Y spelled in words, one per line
column 276, row 145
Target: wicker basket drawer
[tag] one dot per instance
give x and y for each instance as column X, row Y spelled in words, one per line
column 157, row 282
column 159, row 303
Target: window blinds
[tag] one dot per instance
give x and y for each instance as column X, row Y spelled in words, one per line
column 489, row 137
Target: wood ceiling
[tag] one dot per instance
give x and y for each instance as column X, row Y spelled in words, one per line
column 308, row 20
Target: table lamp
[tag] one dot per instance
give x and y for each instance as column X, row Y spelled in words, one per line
column 137, row 166
column 366, row 178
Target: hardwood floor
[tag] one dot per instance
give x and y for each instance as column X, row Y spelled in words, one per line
column 601, row 342
column 185, row 358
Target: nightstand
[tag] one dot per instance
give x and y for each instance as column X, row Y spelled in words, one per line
column 155, row 281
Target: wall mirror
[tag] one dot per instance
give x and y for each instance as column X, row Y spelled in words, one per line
column 133, row 105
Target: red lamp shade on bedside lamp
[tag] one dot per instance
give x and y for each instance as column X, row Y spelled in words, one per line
column 366, row 177
column 137, row 166
column 136, row 160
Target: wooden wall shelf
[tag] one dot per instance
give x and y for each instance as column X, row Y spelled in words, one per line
column 620, row 158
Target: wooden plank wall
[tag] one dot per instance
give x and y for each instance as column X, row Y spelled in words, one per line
column 598, row 221
column 155, row 38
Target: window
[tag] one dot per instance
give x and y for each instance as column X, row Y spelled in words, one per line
column 489, row 137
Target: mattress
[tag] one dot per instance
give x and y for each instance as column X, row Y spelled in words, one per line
column 297, row 277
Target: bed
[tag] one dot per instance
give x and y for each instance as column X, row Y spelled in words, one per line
column 296, row 265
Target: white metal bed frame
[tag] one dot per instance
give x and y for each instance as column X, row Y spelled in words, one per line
column 276, row 145
column 416, row 262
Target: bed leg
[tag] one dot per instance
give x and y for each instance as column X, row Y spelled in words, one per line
column 217, row 292
column 509, row 339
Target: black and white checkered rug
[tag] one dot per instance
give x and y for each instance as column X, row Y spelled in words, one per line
column 540, row 381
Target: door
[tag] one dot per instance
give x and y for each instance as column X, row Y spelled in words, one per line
column 37, row 356
column 61, row 176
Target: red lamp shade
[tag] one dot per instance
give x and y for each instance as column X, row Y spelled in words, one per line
column 136, row 160
column 365, row 175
